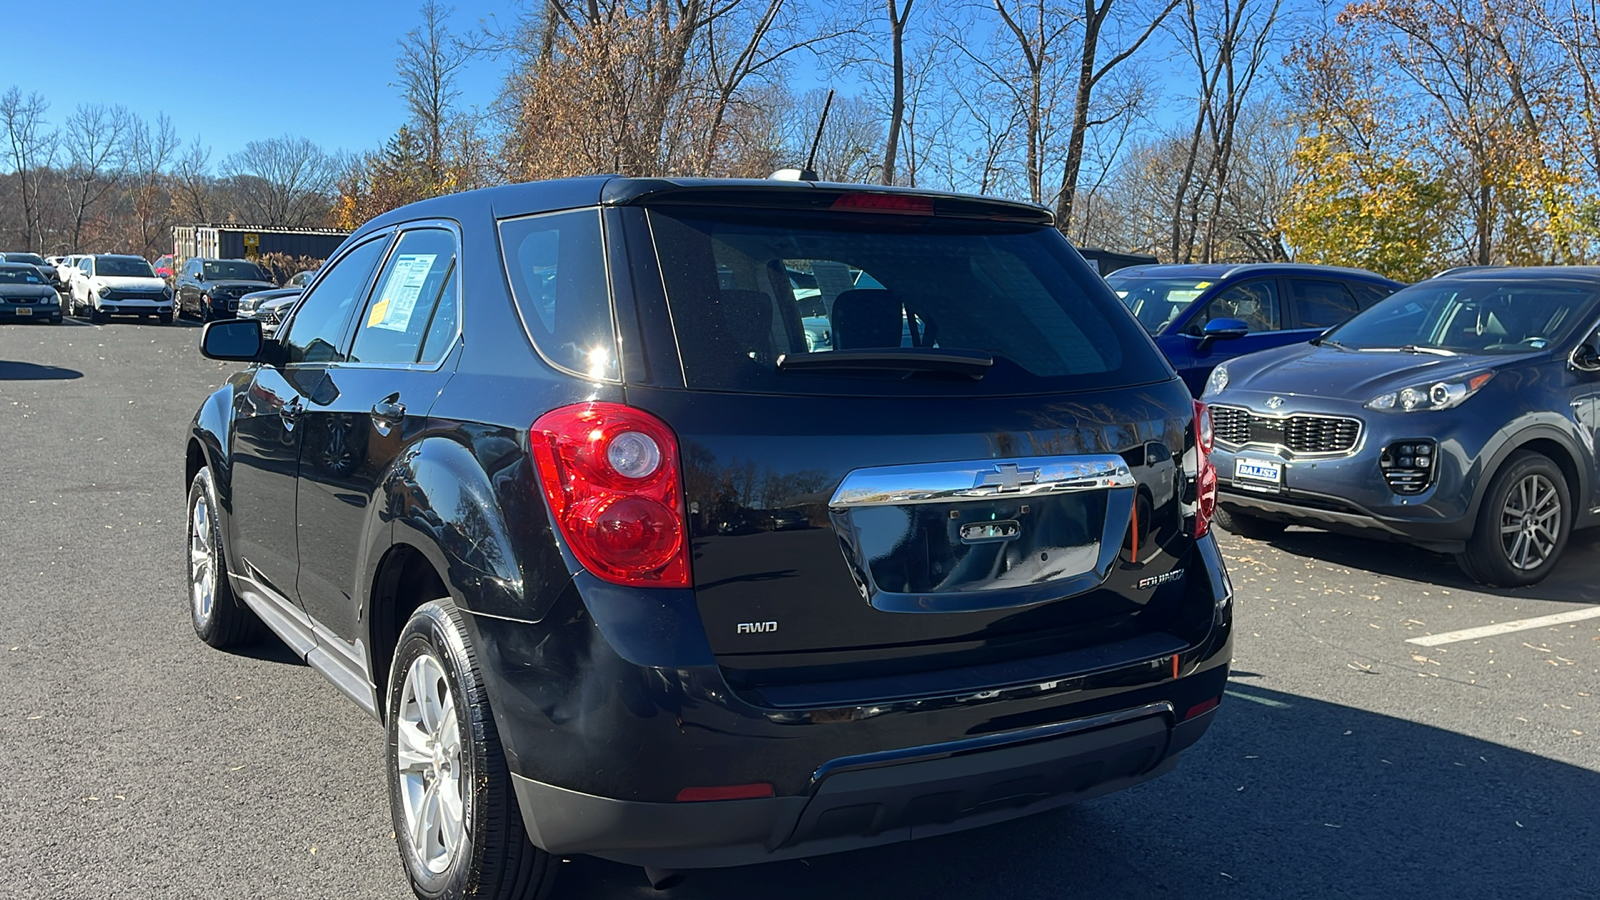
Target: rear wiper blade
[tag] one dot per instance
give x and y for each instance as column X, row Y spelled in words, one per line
column 972, row 363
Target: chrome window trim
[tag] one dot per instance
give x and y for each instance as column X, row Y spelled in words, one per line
column 973, row 480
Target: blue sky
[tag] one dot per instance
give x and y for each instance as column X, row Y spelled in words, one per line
column 234, row 72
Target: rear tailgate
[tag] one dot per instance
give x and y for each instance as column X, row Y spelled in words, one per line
column 796, row 549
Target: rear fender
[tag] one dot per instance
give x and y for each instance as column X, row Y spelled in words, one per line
column 450, row 508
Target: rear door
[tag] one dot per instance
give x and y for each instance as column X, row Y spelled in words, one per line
column 839, row 513
column 1318, row 304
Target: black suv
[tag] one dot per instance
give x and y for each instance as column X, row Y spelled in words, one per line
column 211, row 288
column 481, row 480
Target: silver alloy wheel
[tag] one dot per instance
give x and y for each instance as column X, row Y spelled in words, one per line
column 428, row 755
column 202, row 559
column 1530, row 522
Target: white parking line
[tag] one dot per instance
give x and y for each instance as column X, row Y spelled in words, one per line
column 1472, row 634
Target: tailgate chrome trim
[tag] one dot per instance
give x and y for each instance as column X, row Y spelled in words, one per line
column 981, row 480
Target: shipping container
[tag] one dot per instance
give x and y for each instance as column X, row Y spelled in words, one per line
column 247, row 242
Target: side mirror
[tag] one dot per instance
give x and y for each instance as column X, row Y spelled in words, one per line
column 1586, row 358
column 1222, row 330
column 234, row 340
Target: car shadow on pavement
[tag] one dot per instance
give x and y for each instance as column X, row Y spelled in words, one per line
column 1286, row 797
column 1573, row 580
column 269, row 649
column 22, row 371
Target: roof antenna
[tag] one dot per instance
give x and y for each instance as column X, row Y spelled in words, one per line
column 809, row 173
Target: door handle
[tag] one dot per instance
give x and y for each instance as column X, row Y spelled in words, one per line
column 387, row 413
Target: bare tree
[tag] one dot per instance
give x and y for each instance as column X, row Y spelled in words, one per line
column 898, row 15
column 31, row 150
column 1098, row 25
column 192, row 185
column 285, row 181
column 430, row 59
column 93, row 139
column 148, row 150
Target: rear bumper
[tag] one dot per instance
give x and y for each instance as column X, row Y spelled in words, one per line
column 614, row 704
column 875, row 799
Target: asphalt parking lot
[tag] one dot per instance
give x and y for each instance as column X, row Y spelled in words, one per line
column 1345, row 762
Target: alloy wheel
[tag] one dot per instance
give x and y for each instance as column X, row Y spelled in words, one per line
column 1530, row 522
column 429, row 756
column 202, row 560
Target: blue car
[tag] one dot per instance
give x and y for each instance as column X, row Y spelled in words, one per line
column 1202, row 315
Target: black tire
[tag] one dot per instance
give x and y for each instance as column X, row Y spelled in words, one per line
column 1493, row 556
column 494, row 857
column 97, row 317
column 224, row 622
column 164, row 318
column 1247, row 526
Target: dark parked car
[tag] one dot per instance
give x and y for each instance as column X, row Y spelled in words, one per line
column 1202, row 315
column 480, row 479
column 211, row 288
column 26, row 296
column 251, row 304
column 45, row 267
column 1459, row 414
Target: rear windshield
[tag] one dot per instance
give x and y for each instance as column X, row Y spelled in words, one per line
column 234, row 269
column 746, row 288
column 30, row 258
column 123, row 267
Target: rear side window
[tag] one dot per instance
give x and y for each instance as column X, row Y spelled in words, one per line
column 1321, row 304
column 412, row 313
column 747, row 287
column 557, row 267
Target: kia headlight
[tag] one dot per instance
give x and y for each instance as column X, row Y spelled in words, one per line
column 1217, row 383
column 104, row 291
column 1438, row 395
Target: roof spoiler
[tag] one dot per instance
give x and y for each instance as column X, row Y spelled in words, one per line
column 813, row 197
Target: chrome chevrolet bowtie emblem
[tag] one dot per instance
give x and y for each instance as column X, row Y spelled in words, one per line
column 1007, row 477
column 1274, row 402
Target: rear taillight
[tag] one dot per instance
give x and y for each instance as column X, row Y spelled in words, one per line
column 610, row 473
column 1205, row 480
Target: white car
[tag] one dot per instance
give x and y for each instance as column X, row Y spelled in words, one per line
column 109, row 284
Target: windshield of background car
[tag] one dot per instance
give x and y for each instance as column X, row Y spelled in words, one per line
column 1472, row 316
column 740, row 286
column 123, row 268
column 1157, row 302
column 234, row 270
column 19, row 275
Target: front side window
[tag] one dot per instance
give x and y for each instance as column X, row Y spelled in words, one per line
column 557, row 268
column 1254, row 302
column 412, row 313
column 318, row 323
